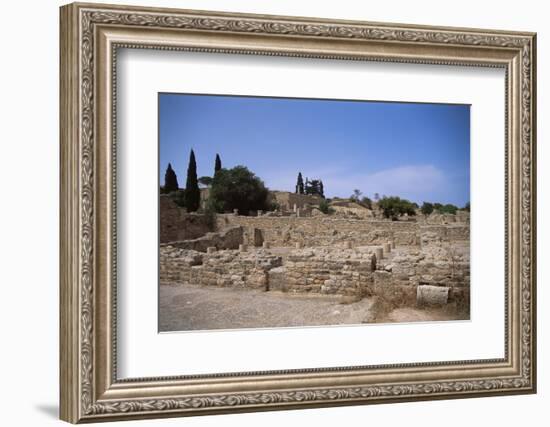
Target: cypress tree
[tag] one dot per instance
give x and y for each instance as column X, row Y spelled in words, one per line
column 192, row 192
column 170, row 180
column 300, row 184
column 321, row 189
column 218, row 164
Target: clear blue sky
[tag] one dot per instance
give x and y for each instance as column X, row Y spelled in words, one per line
column 417, row 151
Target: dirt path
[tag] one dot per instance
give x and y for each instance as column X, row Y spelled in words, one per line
column 185, row 308
column 195, row 308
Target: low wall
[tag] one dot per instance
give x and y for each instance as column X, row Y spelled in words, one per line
column 287, row 200
column 229, row 238
column 337, row 272
column 430, row 234
column 224, row 269
column 394, row 278
column 315, row 231
column 341, row 272
column 446, row 266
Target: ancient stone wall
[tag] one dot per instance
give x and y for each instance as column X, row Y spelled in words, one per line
column 229, row 238
column 436, row 264
column 394, row 275
column 223, row 268
column 321, row 271
column 315, row 231
column 444, row 233
column 287, row 200
column 329, row 271
column 177, row 224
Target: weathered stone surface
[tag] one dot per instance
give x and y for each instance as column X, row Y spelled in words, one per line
column 392, row 292
column 176, row 224
column 432, row 295
column 277, row 279
column 229, row 238
column 326, row 254
column 379, row 253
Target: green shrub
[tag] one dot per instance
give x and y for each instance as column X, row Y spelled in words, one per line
column 325, row 207
column 427, row 208
column 394, row 207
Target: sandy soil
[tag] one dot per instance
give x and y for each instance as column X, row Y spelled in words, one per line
column 199, row 308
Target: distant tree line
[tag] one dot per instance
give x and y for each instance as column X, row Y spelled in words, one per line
column 239, row 188
column 230, row 189
column 427, row 208
column 394, row 207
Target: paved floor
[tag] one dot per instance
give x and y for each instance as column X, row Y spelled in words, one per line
column 184, row 308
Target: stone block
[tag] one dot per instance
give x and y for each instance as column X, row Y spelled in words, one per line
column 432, row 295
column 379, row 253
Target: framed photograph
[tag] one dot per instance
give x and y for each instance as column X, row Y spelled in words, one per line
column 266, row 212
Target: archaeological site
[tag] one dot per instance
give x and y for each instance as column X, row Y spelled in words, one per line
column 377, row 230
column 296, row 265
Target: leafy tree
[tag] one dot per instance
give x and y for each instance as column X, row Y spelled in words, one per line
column 448, row 208
column 170, row 180
column 313, row 187
column 205, row 180
column 238, row 188
column 192, row 192
column 217, row 164
column 394, row 207
column 427, row 208
column 300, row 184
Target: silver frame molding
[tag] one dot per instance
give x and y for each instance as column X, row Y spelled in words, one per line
column 90, row 37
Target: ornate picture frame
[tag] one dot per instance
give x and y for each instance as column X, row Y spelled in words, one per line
column 90, row 37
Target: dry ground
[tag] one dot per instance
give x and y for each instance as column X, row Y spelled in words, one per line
column 198, row 308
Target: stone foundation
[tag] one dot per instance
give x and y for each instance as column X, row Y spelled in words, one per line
column 230, row 238
column 403, row 263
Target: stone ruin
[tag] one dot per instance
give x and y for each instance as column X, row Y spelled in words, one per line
column 403, row 263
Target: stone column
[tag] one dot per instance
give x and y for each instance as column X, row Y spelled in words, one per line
column 386, row 248
column 379, row 253
column 298, row 213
